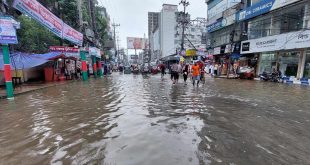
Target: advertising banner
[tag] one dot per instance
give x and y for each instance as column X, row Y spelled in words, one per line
column 38, row 12
column 7, row 31
column 262, row 7
column 93, row 51
column 137, row 43
column 64, row 49
column 293, row 40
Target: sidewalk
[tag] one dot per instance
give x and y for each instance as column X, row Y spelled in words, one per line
column 25, row 88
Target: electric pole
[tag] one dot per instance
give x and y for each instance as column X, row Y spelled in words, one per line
column 79, row 8
column 183, row 20
column 114, row 31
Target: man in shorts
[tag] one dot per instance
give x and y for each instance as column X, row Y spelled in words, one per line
column 196, row 73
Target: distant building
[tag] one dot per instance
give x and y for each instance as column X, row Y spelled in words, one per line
column 153, row 21
column 167, row 28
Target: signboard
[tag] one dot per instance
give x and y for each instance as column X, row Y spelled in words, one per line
column 217, row 51
column 93, row 51
column 134, row 57
column 7, row 31
column 217, row 25
column 38, row 12
column 293, row 40
column 64, row 49
column 227, row 49
column 262, row 7
column 223, row 22
column 190, row 52
column 137, row 43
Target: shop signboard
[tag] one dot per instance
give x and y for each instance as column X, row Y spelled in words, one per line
column 38, row 12
column 223, row 48
column 7, row 31
column 64, row 49
column 190, row 52
column 217, row 51
column 93, row 51
column 262, row 7
column 228, row 48
column 287, row 41
column 216, row 25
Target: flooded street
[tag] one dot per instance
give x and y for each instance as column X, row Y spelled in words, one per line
column 135, row 119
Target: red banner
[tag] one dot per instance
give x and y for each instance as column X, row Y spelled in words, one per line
column 84, row 66
column 7, row 73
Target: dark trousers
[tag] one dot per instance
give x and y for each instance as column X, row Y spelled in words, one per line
column 185, row 77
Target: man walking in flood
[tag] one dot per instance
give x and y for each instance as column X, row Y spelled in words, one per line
column 196, row 73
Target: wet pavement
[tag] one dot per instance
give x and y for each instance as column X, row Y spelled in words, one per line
column 135, row 119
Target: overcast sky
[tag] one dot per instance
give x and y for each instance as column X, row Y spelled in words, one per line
column 132, row 15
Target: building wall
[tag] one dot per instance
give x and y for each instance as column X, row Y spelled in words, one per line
column 168, row 30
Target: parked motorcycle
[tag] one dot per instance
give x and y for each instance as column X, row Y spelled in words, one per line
column 272, row 77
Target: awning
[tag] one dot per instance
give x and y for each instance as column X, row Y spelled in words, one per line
column 22, row 61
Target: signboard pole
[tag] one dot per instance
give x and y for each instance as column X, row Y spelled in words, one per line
column 84, row 65
column 7, row 72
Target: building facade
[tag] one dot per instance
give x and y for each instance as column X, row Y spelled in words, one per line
column 266, row 35
column 279, row 35
column 167, row 29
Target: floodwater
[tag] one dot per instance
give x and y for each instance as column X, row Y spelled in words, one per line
column 135, row 119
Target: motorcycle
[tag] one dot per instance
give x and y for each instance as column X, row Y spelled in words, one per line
column 272, row 77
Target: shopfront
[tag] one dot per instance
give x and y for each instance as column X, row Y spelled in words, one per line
column 287, row 53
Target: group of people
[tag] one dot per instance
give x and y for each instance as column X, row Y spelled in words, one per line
column 197, row 72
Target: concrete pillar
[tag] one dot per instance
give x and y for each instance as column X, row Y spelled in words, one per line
column 100, row 68
column 94, row 59
column 84, row 65
column 7, row 72
column 301, row 64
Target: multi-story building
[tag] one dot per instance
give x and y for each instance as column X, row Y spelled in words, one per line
column 266, row 35
column 153, row 21
column 278, row 33
column 167, row 30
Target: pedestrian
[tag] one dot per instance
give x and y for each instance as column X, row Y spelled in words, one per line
column 195, row 74
column 179, row 71
column 174, row 72
column 185, row 72
column 162, row 68
column 216, row 66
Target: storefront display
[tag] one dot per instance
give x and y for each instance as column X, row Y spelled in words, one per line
column 307, row 65
column 267, row 62
column 288, row 63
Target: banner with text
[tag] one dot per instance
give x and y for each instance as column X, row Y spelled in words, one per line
column 38, row 12
column 262, row 7
column 137, row 43
column 7, row 31
column 293, row 40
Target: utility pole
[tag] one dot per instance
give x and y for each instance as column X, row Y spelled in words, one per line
column 79, row 8
column 93, row 18
column 183, row 21
column 114, row 31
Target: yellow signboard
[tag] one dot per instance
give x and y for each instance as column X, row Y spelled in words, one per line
column 190, row 52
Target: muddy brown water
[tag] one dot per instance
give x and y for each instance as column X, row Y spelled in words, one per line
column 135, row 119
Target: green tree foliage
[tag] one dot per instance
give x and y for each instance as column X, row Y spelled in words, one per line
column 33, row 37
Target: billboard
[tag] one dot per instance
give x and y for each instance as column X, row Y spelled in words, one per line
column 262, row 7
column 137, row 43
column 7, row 31
column 38, row 12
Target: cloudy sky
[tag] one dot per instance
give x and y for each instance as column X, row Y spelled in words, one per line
column 132, row 14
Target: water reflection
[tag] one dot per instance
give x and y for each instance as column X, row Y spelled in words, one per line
column 134, row 119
